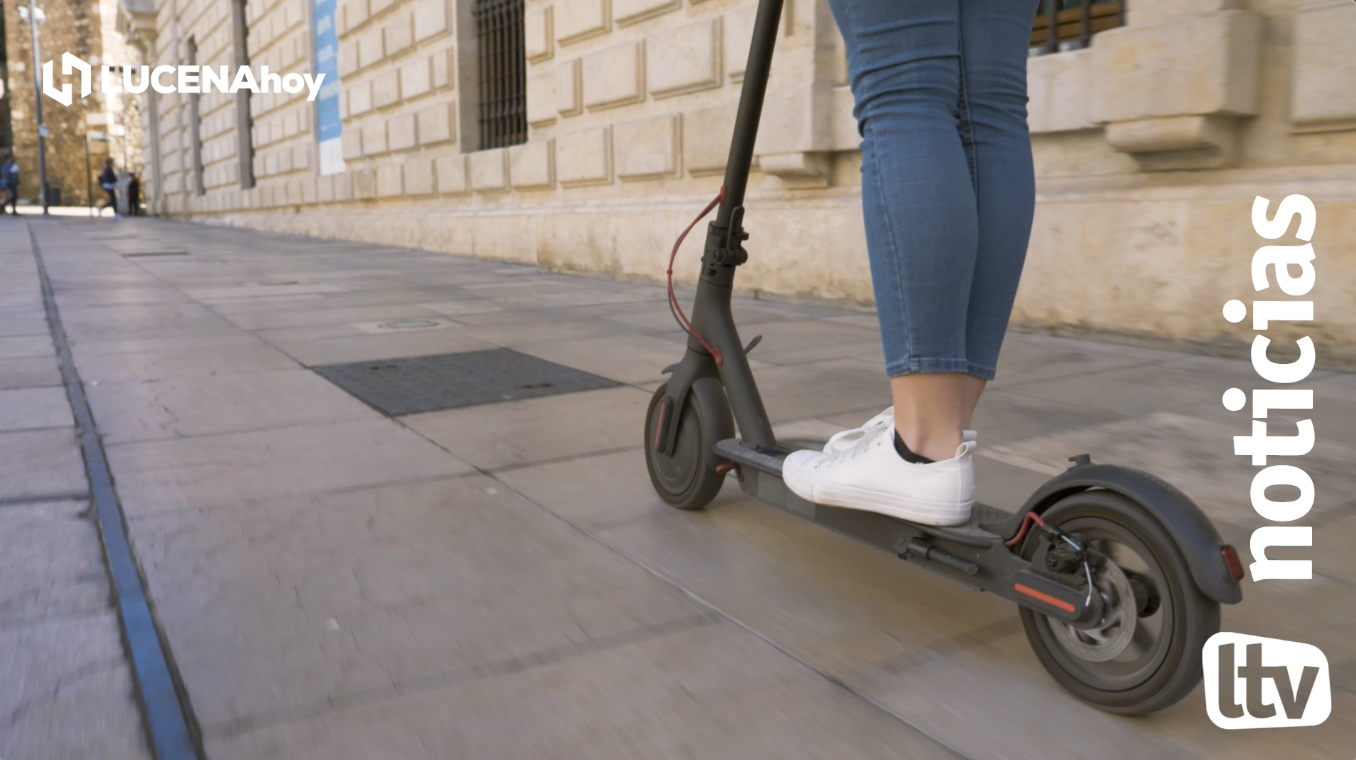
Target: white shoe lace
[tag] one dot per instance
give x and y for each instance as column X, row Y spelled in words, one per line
column 846, row 440
column 850, row 453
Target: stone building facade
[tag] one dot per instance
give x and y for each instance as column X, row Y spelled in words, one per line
column 110, row 123
column 1150, row 144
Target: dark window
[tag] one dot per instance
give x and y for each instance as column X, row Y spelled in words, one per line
column 195, row 123
column 503, row 72
column 1074, row 23
column 244, row 123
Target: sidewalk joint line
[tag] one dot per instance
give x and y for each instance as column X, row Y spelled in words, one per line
column 166, row 712
column 20, row 501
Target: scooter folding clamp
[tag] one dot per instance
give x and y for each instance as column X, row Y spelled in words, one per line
column 724, row 244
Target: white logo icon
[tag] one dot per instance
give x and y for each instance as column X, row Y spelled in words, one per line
column 69, row 63
column 1255, row 682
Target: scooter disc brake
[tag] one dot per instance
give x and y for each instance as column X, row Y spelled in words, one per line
column 1109, row 638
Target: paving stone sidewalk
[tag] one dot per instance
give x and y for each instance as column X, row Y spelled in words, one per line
column 498, row 580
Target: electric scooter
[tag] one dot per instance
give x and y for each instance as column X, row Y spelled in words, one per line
column 1118, row 575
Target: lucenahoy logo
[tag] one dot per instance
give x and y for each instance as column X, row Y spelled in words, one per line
column 169, row 79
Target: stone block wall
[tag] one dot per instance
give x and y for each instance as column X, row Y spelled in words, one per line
column 1150, row 146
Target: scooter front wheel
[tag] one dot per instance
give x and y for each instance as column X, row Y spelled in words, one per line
column 685, row 476
column 1145, row 654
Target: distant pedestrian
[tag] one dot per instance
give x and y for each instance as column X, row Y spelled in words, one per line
column 9, row 181
column 108, row 180
column 134, row 196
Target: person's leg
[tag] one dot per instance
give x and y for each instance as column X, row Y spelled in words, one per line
column 995, row 35
column 918, row 204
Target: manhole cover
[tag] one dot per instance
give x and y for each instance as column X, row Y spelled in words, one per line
column 452, row 381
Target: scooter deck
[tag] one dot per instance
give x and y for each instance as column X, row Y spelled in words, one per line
column 957, row 552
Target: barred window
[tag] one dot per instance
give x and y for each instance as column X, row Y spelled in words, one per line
column 1073, row 23
column 502, row 72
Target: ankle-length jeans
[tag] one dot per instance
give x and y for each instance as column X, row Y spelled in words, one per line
column 948, row 189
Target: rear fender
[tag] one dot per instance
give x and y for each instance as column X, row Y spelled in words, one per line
column 1193, row 532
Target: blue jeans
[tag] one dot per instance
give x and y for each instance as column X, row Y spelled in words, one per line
column 948, row 189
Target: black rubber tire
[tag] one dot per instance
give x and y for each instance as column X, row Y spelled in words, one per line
column 687, row 477
column 1194, row 617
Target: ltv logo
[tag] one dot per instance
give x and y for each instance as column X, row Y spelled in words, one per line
column 1255, row 682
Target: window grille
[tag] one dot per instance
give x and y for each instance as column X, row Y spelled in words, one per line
column 1074, row 24
column 503, row 72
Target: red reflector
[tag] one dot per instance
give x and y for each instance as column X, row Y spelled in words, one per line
column 1058, row 604
column 1232, row 562
column 659, row 425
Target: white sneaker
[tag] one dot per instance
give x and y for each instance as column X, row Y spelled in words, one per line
column 872, row 476
column 846, row 440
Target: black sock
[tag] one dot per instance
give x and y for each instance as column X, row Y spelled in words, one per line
column 908, row 456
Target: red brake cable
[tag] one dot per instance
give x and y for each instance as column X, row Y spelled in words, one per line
column 673, row 298
column 1027, row 519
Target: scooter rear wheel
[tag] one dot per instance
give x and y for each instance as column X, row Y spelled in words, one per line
column 1146, row 655
column 686, row 477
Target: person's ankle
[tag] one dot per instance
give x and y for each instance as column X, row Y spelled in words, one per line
column 925, row 449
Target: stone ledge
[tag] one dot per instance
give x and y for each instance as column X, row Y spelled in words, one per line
column 1177, row 142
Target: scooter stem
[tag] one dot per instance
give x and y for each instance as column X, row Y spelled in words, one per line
column 756, row 72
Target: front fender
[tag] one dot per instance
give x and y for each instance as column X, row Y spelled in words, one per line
column 1200, row 543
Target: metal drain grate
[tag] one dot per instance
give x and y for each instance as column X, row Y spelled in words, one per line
column 452, row 381
column 143, row 254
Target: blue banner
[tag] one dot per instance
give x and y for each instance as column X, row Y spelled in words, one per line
column 328, row 124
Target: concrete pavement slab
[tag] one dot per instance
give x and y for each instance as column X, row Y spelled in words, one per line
column 173, row 474
column 309, row 600
column 40, row 463
column 523, row 432
column 34, row 408
column 52, row 562
column 803, row 341
column 824, row 389
column 120, row 297
column 265, row 320
column 147, row 360
column 1141, row 389
column 29, row 372
column 180, row 407
column 513, row 336
column 1030, row 358
column 26, row 346
column 265, row 290
column 93, row 324
column 670, row 696
column 1194, row 455
column 1008, row 416
column 31, row 325
column 597, row 492
column 75, row 695
column 832, row 602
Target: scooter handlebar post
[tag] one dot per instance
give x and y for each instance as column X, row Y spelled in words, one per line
column 751, row 97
